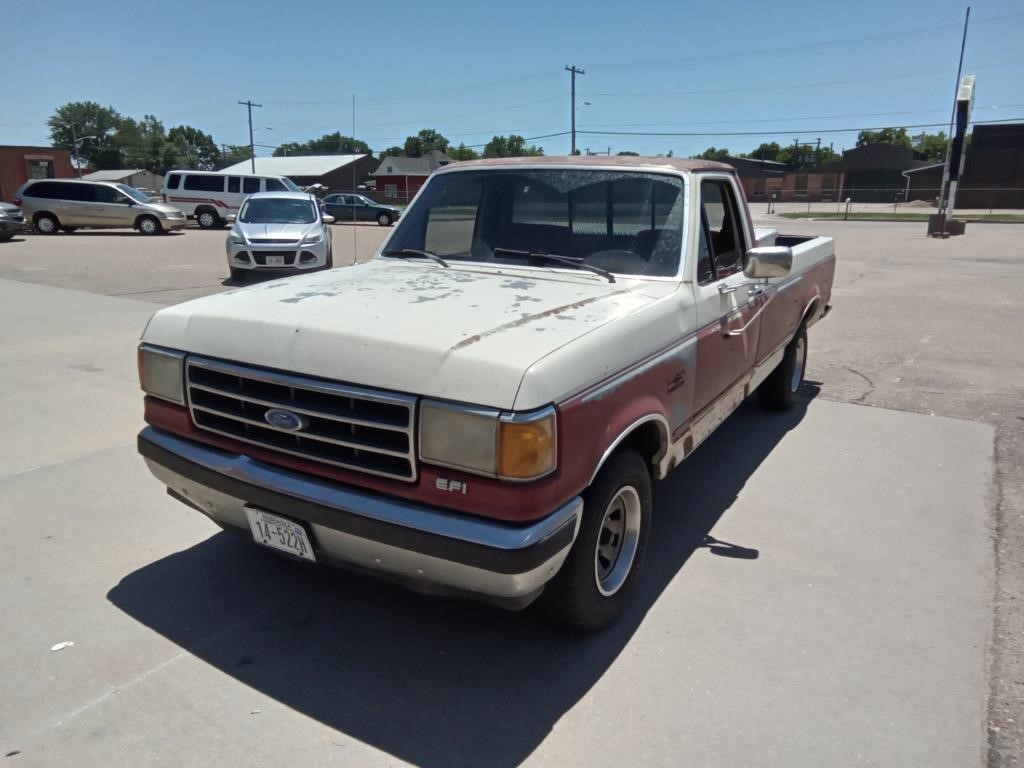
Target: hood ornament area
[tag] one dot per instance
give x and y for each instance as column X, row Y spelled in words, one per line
column 282, row 419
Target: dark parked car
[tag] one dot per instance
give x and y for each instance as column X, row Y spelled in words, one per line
column 12, row 221
column 358, row 208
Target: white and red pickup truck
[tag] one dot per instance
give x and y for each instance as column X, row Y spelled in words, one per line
column 482, row 408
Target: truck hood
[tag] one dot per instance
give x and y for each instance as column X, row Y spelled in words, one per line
column 468, row 333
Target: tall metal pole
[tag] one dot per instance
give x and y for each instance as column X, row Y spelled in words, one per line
column 573, row 70
column 952, row 117
column 252, row 147
column 74, row 141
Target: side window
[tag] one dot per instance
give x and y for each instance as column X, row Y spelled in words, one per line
column 273, row 185
column 234, row 184
column 250, row 185
column 82, row 193
column 172, row 181
column 42, row 190
column 204, row 182
column 104, row 194
column 725, row 232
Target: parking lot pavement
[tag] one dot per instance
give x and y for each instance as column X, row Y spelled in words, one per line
column 167, row 269
column 816, row 594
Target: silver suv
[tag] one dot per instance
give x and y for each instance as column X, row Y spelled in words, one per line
column 55, row 204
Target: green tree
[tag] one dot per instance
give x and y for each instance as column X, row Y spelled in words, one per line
column 713, row 153
column 511, row 146
column 765, row 151
column 425, row 141
column 144, row 144
column 328, row 144
column 897, row 136
column 394, row 151
column 233, row 153
column 78, row 119
column 628, row 153
column 932, row 145
column 193, row 149
column 462, row 152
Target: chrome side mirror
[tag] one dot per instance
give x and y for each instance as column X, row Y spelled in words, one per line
column 328, row 219
column 230, row 218
column 769, row 261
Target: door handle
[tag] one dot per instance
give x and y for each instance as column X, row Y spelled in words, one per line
column 724, row 289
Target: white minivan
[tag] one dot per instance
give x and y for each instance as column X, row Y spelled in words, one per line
column 209, row 197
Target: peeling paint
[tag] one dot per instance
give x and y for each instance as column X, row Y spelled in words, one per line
column 520, row 285
column 534, row 298
column 421, row 299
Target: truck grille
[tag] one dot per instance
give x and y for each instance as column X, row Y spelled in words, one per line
column 351, row 427
column 274, row 240
column 260, row 257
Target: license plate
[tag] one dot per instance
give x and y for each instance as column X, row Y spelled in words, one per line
column 277, row 532
column 275, row 261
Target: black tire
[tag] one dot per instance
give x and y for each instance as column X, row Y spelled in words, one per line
column 587, row 594
column 207, row 219
column 384, row 219
column 6, row 236
column 329, row 261
column 148, row 225
column 238, row 275
column 46, row 224
column 70, row 230
column 778, row 391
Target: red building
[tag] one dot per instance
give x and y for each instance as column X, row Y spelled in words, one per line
column 19, row 164
column 398, row 179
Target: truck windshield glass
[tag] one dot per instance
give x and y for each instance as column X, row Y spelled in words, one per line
column 270, row 210
column 629, row 223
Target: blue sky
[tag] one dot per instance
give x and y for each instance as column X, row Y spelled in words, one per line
column 472, row 69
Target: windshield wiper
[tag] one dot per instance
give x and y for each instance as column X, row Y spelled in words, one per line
column 405, row 253
column 572, row 261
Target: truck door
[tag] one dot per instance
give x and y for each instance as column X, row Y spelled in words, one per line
column 726, row 301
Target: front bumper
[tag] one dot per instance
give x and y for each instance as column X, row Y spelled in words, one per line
column 289, row 255
column 429, row 547
column 12, row 226
column 174, row 224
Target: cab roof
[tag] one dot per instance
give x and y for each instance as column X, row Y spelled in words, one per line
column 585, row 161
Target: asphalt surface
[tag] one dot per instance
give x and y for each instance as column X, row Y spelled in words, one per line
column 835, row 586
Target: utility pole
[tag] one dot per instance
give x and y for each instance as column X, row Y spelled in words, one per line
column 252, row 147
column 573, row 70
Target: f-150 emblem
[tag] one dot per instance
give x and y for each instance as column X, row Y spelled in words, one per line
column 282, row 419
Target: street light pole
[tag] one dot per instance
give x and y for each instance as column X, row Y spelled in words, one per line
column 574, row 70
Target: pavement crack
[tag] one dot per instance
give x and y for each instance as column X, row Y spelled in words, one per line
column 871, row 384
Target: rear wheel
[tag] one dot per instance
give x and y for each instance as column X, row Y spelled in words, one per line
column 778, row 391
column 384, row 219
column 594, row 584
column 46, row 223
column 148, row 225
column 208, row 219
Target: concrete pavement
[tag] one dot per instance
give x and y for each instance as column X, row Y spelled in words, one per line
column 838, row 615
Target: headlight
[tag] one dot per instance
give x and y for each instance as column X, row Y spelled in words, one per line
column 236, row 239
column 313, row 237
column 510, row 446
column 161, row 373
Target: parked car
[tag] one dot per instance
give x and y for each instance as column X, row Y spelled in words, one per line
column 210, row 197
column 483, row 407
column 70, row 204
column 349, row 207
column 279, row 230
column 12, row 221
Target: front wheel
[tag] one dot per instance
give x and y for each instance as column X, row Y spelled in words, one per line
column 147, row 225
column 594, row 583
column 384, row 220
column 778, row 391
column 208, row 219
column 238, row 275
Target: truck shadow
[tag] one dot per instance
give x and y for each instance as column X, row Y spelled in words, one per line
column 435, row 682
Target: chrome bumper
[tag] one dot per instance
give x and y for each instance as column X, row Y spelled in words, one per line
column 427, row 546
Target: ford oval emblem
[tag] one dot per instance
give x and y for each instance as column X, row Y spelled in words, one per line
column 282, row 419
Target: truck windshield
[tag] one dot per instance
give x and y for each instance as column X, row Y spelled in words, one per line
column 625, row 222
column 277, row 210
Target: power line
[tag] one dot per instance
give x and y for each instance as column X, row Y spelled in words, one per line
column 790, row 132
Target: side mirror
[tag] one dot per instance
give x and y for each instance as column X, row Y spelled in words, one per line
column 328, row 219
column 769, row 261
column 230, row 218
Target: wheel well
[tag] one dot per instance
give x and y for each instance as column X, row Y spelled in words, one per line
column 811, row 310
column 206, row 209
column 37, row 214
column 649, row 439
column 142, row 216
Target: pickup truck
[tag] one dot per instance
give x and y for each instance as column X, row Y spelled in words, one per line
column 482, row 408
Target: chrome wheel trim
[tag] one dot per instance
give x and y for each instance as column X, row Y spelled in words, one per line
column 617, row 541
column 148, row 226
column 799, row 359
column 383, row 219
column 46, row 225
column 206, row 219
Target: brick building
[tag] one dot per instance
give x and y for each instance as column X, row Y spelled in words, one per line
column 19, row 164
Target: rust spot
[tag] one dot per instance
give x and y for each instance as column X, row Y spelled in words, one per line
column 553, row 312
